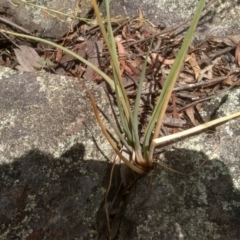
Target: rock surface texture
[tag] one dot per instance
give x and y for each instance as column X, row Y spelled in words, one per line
column 47, row 19
column 53, row 157
column 205, row 205
column 54, row 160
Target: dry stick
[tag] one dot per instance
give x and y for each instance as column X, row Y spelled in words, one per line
column 7, row 21
column 202, row 83
column 196, row 102
column 165, row 139
column 94, row 29
column 123, row 24
column 161, row 33
column 195, row 85
column 228, row 49
column 10, row 40
column 206, row 98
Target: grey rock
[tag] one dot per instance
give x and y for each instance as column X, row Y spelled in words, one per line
column 53, row 157
column 47, row 19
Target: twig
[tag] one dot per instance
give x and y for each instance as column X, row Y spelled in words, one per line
column 7, row 21
column 202, row 83
column 9, row 39
column 206, row 98
column 195, row 85
column 228, row 49
column 123, row 24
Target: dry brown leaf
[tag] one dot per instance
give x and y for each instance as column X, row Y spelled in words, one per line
column 190, row 112
column 198, row 106
column 229, row 40
column 237, row 54
column 140, row 19
column 124, row 32
column 8, row 62
column 134, row 69
column 28, row 58
column 175, row 111
column 93, row 49
column 59, row 55
column 122, row 56
column 186, row 77
column 136, row 62
column 162, row 60
column 234, row 38
column 67, row 60
column 229, row 81
column 206, row 72
column 193, row 62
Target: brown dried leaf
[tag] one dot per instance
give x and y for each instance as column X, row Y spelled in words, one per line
column 162, row 60
column 140, row 18
column 124, row 32
column 136, row 62
column 59, row 55
column 194, row 64
column 229, row 81
column 79, row 48
column 94, row 50
column 234, row 38
column 237, row 54
column 175, row 111
column 28, row 58
column 122, row 57
column 8, row 62
column 190, row 112
column 134, row 69
column 186, row 77
column 198, row 106
column 229, row 40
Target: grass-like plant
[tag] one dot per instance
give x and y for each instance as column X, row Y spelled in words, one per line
column 141, row 152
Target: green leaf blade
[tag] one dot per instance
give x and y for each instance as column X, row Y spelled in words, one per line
column 163, row 100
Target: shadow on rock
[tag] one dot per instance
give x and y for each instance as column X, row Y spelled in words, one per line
column 42, row 197
column 205, row 205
